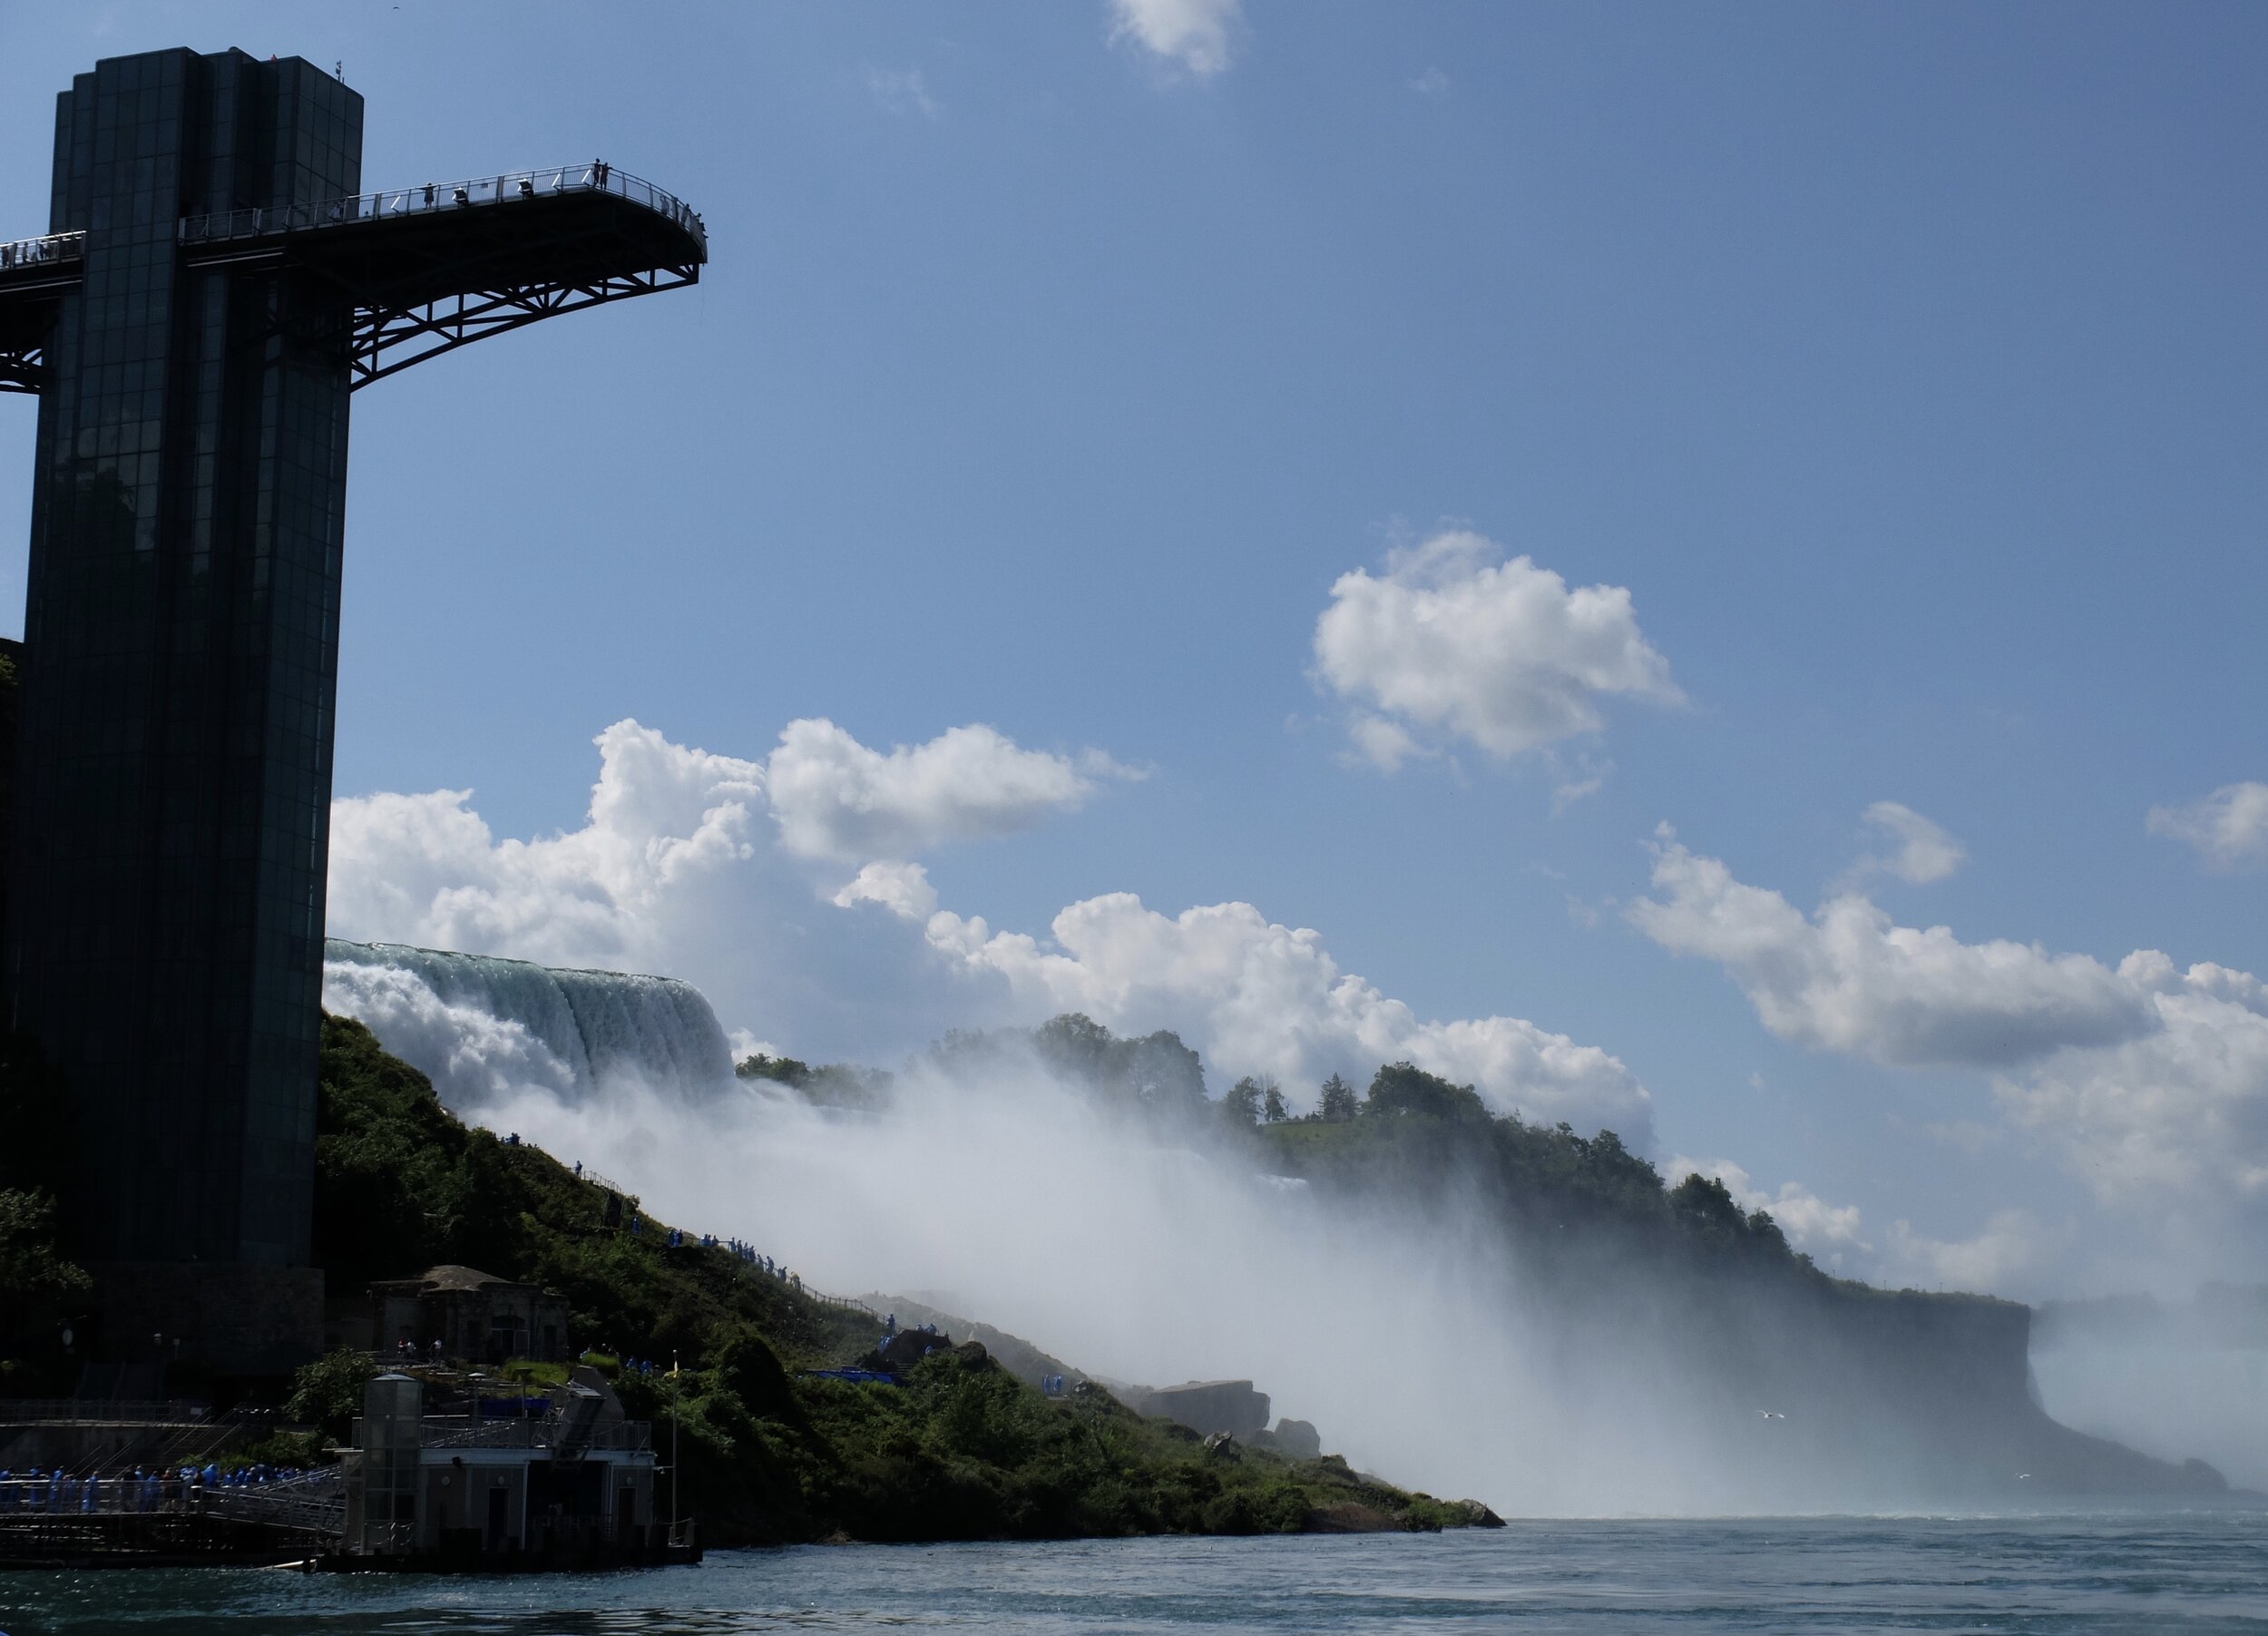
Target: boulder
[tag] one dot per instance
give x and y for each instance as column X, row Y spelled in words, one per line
column 909, row 1347
column 1299, row 1440
column 1207, row 1407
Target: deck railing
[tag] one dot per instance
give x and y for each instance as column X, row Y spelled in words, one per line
column 314, row 1501
column 54, row 249
column 474, row 193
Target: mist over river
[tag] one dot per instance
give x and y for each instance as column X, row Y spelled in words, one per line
column 2110, row 1572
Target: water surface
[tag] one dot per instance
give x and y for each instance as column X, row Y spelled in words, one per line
column 2203, row 1572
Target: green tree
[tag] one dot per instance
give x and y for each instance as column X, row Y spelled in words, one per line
column 1338, row 1099
column 1272, row 1108
column 1076, row 1043
column 328, row 1392
column 30, row 1263
column 1165, row 1073
column 1708, row 1209
column 787, row 1070
column 1241, row 1106
column 831, row 1084
column 1399, row 1088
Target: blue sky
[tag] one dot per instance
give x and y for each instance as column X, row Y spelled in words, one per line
column 1903, row 366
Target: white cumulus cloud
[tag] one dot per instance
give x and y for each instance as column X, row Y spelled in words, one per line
column 1380, row 743
column 1999, row 1259
column 2146, row 1081
column 901, row 888
column 1451, row 641
column 1847, row 978
column 664, row 819
column 726, row 872
column 835, row 797
column 2229, row 827
column 717, row 869
column 1258, row 998
column 1921, row 851
column 2177, row 1115
column 1192, row 34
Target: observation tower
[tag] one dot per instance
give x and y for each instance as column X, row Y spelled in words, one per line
column 214, row 287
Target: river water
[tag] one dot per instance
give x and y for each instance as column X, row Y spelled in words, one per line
column 2198, row 1572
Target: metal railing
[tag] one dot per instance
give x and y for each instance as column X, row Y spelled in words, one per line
column 606, row 1185
column 52, row 251
column 536, row 1430
column 315, row 1501
column 78, row 1494
column 19, row 1411
column 477, row 192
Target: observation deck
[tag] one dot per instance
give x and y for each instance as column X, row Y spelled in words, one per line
column 422, row 270
column 34, row 276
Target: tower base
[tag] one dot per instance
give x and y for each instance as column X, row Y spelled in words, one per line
column 212, row 1318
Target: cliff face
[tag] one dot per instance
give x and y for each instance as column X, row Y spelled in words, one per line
column 2174, row 1375
column 1954, row 1374
column 1814, row 1393
column 1672, row 1319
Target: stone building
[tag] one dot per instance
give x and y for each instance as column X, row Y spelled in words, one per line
column 475, row 1316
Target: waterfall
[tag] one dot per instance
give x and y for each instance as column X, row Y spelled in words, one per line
column 483, row 1028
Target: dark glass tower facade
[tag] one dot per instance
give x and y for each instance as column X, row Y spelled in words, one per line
column 213, row 286
column 165, row 927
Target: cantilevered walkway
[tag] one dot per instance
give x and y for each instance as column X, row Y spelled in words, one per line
column 409, row 273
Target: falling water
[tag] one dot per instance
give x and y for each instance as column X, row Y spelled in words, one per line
column 481, row 1026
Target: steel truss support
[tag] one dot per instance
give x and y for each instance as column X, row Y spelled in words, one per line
column 23, row 369
column 434, row 328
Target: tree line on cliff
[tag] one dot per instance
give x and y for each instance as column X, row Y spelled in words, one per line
column 1411, row 1135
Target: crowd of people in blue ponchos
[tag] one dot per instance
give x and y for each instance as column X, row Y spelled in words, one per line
column 746, row 1254
column 59, row 1490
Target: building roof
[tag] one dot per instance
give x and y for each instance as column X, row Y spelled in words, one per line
column 449, row 1276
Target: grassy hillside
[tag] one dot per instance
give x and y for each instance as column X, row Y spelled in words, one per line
column 963, row 1450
